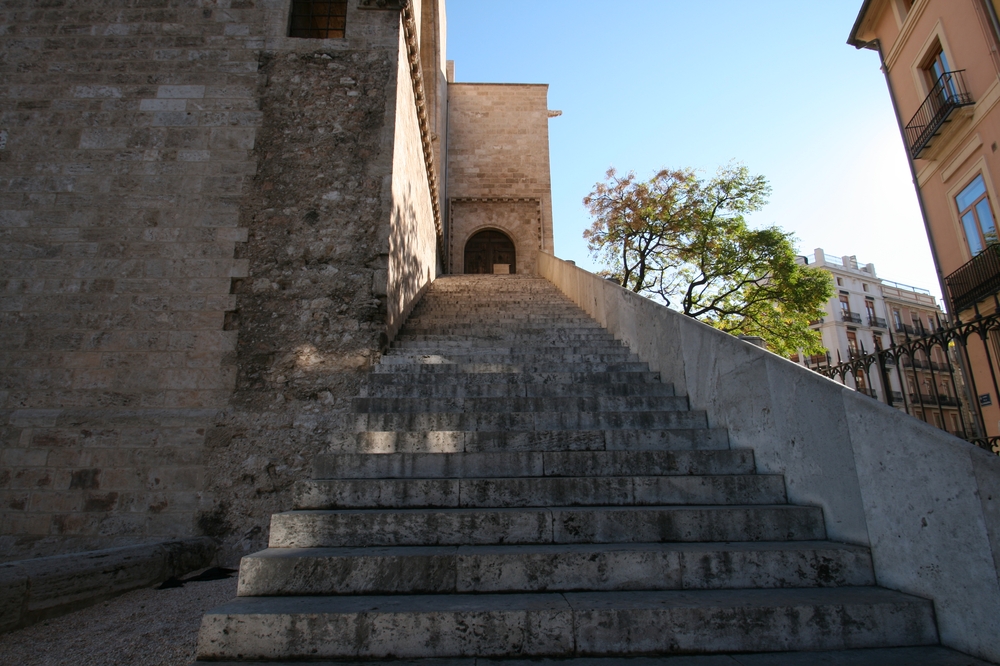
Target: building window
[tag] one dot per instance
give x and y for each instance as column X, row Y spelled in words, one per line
column 897, row 319
column 318, row 19
column 870, row 307
column 852, row 343
column 977, row 217
column 936, row 66
column 845, row 304
column 864, row 286
column 840, row 282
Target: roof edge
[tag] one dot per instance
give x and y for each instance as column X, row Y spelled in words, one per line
column 852, row 39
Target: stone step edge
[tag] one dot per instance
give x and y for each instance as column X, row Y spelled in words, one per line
column 566, row 624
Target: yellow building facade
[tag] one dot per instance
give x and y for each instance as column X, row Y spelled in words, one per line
column 941, row 59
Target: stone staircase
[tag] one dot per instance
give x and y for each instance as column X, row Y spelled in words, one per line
column 520, row 485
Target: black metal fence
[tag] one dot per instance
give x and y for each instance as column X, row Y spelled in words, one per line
column 903, row 359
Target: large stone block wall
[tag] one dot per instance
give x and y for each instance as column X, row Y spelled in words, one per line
column 194, row 235
column 498, row 157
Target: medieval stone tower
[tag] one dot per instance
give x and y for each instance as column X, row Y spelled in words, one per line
column 214, row 215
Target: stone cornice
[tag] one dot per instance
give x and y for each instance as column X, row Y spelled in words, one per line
column 417, row 79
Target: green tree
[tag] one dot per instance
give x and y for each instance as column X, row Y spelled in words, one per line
column 684, row 241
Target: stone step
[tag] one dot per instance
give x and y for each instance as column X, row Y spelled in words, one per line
column 515, row 421
column 514, row 378
column 527, row 390
column 539, row 492
column 905, row 656
column 541, row 337
column 487, row 330
column 371, row 405
column 435, row 527
column 567, row 624
column 552, row 568
column 531, row 464
column 452, row 441
column 497, row 347
column 523, row 357
column 519, row 368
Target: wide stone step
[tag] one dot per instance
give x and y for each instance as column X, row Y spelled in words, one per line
column 552, row 568
column 524, row 358
column 526, row 367
column 486, row 330
column 905, row 656
column 504, row 337
column 567, row 624
column 540, row 491
column 514, row 378
column 513, row 421
column 521, row 404
column 505, row 347
column 433, row 527
column 453, row 441
column 534, row 463
column 512, row 390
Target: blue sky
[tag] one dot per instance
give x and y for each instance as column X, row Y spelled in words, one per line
column 646, row 84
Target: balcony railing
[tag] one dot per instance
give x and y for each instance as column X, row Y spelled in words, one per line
column 904, row 328
column 975, row 280
column 851, row 317
column 876, row 322
column 948, row 94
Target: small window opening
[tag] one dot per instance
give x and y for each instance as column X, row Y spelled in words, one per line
column 318, row 19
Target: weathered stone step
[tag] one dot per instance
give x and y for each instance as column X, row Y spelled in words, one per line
column 535, row 464
column 498, row 347
column 508, row 421
column 434, row 527
column 520, row 357
column 505, row 390
column 642, row 403
column 539, row 491
column 541, row 337
column 551, row 568
column 567, row 624
column 452, row 441
column 532, row 367
column 487, row 329
column 512, row 377
column 905, row 656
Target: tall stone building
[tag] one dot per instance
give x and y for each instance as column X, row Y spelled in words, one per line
column 214, row 215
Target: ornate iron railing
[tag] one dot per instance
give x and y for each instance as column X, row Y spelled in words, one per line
column 976, row 279
column 876, row 322
column 949, row 93
column 851, row 317
column 910, row 354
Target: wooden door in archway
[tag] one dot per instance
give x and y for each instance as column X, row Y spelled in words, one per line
column 488, row 248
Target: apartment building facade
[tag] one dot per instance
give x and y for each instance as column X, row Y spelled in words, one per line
column 867, row 314
column 941, row 59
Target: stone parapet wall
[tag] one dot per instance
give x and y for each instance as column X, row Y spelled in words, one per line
column 926, row 503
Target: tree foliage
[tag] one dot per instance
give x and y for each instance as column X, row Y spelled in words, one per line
column 685, row 241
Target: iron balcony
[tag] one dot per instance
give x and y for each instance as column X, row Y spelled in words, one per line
column 851, row 317
column 975, row 280
column 876, row 322
column 948, row 94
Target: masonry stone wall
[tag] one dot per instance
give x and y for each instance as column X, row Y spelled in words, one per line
column 498, row 167
column 195, row 214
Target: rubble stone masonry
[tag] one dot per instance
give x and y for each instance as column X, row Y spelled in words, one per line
column 195, row 216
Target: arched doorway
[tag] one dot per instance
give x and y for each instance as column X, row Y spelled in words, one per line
column 488, row 248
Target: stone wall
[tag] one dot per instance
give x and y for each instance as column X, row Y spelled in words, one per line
column 195, row 214
column 498, row 167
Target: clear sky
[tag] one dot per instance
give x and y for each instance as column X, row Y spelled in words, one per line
column 646, row 84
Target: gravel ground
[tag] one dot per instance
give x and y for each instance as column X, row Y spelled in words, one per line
column 141, row 628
